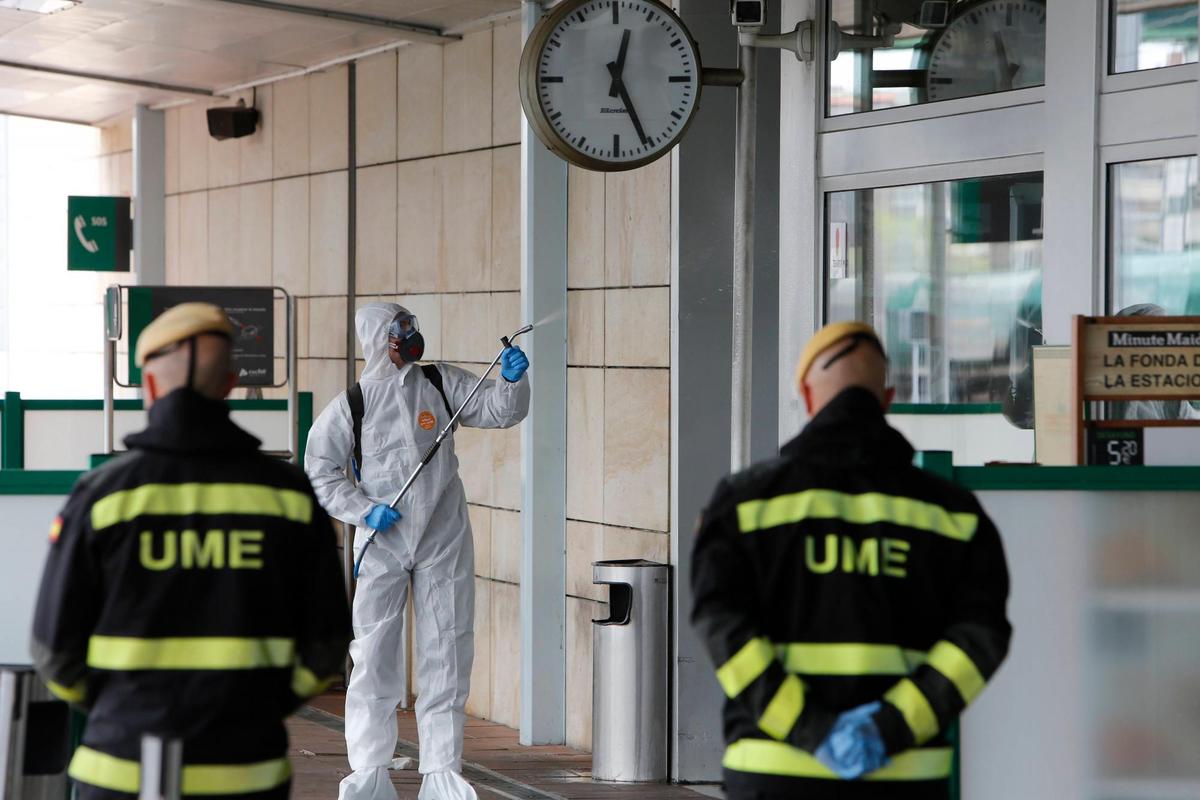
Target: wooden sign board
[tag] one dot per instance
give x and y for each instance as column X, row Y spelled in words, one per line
column 1131, row 359
column 1154, row 358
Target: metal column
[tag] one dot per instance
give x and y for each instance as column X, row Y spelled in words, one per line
column 544, row 436
column 745, row 161
column 150, row 196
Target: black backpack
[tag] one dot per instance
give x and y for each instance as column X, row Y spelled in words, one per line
column 358, row 408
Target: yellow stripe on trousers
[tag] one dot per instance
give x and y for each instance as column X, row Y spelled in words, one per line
column 188, row 652
column 860, row 509
column 179, row 499
column 765, row 757
column 122, row 775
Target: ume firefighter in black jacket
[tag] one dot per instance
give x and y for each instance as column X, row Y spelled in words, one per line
column 853, row 604
column 192, row 588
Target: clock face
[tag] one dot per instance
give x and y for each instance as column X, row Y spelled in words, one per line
column 989, row 46
column 610, row 84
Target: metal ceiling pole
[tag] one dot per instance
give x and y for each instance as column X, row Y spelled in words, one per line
column 96, row 76
column 745, row 158
column 411, row 31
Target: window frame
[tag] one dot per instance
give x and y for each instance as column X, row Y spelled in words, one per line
column 1139, row 78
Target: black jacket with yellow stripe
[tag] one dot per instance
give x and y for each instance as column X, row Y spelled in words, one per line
column 192, row 590
column 837, row 575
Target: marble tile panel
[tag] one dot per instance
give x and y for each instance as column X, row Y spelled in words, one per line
column 637, row 448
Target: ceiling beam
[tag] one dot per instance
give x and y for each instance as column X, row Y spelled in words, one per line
column 96, row 76
column 407, row 30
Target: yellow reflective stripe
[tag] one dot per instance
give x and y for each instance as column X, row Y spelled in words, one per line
column 784, row 708
column 306, row 684
column 745, row 666
column 916, row 710
column 949, row 659
column 198, row 652
column 201, row 498
column 860, row 509
column 72, row 694
column 767, row 757
column 849, row 658
column 121, row 775
column 108, row 772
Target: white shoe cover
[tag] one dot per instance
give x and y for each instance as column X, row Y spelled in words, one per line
column 403, row 763
column 373, row 783
column 446, row 786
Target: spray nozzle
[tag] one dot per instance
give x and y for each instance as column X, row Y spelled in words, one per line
column 507, row 340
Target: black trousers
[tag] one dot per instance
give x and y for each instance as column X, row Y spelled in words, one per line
column 88, row 792
column 751, row 786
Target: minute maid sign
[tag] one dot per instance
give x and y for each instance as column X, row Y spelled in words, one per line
column 99, row 234
column 1152, row 359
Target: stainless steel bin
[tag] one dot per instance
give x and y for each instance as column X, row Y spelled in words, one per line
column 34, row 738
column 630, row 672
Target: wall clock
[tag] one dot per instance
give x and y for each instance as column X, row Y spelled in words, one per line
column 989, row 46
column 610, row 84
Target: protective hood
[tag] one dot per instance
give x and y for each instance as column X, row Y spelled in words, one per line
column 371, row 323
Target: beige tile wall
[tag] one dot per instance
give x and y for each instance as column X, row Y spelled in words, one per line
column 438, row 229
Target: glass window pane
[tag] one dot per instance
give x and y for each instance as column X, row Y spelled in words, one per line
column 886, row 53
column 1155, row 235
column 1149, row 34
column 950, row 275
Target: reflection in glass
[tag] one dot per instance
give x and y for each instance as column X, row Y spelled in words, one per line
column 888, row 53
column 1149, row 34
column 950, row 275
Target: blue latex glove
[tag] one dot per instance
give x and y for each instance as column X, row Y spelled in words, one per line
column 382, row 517
column 854, row 746
column 513, row 363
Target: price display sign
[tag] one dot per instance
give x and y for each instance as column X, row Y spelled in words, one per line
column 1115, row 447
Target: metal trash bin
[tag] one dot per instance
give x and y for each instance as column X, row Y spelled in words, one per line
column 630, row 672
column 34, row 738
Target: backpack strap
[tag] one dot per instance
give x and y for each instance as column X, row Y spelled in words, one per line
column 354, row 396
column 434, row 376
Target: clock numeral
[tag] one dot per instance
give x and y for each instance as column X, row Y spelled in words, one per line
column 555, row 116
column 680, row 79
column 616, row 13
column 552, row 79
column 676, row 115
column 616, row 145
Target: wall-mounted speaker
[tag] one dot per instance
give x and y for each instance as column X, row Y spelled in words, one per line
column 232, row 122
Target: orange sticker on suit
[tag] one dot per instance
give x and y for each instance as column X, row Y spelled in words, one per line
column 427, row 421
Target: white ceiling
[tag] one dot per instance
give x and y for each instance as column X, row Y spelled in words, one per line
column 201, row 44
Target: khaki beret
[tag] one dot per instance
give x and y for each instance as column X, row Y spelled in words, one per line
column 179, row 323
column 827, row 337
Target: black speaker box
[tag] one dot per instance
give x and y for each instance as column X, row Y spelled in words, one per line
column 232, row 122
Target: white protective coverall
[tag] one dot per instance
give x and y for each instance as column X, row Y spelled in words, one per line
column 431, row 544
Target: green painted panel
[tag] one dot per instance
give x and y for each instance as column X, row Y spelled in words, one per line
column 1082, row 479
column 946, row 408
column 20, row 481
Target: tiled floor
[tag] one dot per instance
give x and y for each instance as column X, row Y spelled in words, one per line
column 497, row 765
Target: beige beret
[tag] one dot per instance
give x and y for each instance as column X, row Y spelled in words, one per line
column 178, row 323
column 827, row 337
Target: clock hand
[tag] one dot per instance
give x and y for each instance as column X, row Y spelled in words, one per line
column 633, row 117
column 618, row 66
column 1007, row 70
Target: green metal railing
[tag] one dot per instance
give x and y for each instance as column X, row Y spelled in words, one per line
column 14, row 479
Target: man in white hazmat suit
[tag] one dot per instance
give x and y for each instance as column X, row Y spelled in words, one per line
column 428, row 540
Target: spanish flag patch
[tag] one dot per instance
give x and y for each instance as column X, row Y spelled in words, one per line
column 55, row 529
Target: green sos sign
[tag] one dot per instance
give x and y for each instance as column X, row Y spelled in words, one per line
column 99, row 234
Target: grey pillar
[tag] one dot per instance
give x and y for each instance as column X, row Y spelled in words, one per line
column 702, row 198
column 150, row 196
column 544, row 436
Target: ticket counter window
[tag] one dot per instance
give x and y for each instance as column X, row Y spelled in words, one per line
column 1151, row 34
column 950, row 273
column 886, row 54
column 1154, row 234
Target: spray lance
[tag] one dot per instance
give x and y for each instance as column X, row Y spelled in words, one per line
column 437, row 443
